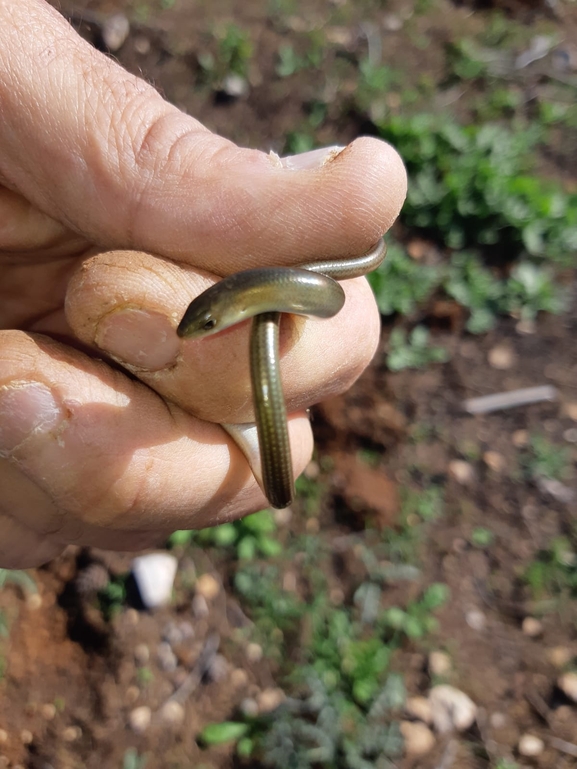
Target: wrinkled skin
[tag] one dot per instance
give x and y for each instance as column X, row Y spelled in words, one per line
column 116, row 209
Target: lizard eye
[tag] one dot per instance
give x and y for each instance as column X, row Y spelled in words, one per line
column 210, row 323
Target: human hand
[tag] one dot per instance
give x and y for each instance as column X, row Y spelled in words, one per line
column 92, row 159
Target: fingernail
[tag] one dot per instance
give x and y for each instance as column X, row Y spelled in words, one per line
column 26, row 409
column 308, row 160
column 139, row 338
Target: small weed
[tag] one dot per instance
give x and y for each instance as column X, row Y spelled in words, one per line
column 144, row 676
column 250, row 537
column 481, row 537
column 233, row 54
column 133, row 760
column 554, row 572
column 401, row 284
column 413, row 351
column 113, row 597
column 544, row 459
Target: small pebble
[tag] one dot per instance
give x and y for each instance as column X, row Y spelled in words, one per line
column 235, row 85
column 33, row 601
column 494, row 461
column 313, row 526
column 520, row 438
column 283, row 516
column 172, row 713
column 249, row 707
column 532, row 627
column 171, row 633
column 26, row 737
column 568, row 685
column 452, row 709
column 115, row 30
column 418, row 738
column 141, row 654
column 570, row 435
column 312, row 470
column 476, row 620
column 140, row 718
column 207, row 586
column 72, row 733
column 463, row 472
column 559, row 656
column 167, row 659
column 3, row 736
column 48, row 711
column 141, row 45
column 131, row 695
column 200, row 607
column 439, row 663
column 254, row 652
column 498, row 720
column 239, row 678
column 289, row 582
column 219, row 668
column 269, row 700
column 392, row 22
column 419, row 707
column 571, row 410
column 501, row 357
column 132, row 616
column 529, row 745
column 526, row 326
column 186, row 630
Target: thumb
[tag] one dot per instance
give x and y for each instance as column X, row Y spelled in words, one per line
column 101, row 151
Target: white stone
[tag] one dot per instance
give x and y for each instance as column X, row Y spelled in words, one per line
column 461, row 471
column 568, row 685
column 475, row 619
column 529, row 745
column 419, row 707
column 172, row 713
column 115, row 30
column 419, row 739
column 439, row 663
column 154, row 575
column 452, row 709
column 254, row 652
column 140, row 718
column 501, row 357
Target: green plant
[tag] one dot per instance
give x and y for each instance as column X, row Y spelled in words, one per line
column 544, row 459
column 233, row 54
column 113, row 597
column 554, row 572
column 481, row 537
column 475, row 287
column 531, row 290
column 417, row 619
column 250, row 536
column 400, row 284
column 413, row 351
column 473, row 185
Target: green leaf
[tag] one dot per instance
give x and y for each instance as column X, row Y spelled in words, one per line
column 217, row 734
column 247, row 548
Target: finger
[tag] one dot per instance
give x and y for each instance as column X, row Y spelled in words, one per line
column 105, row 460
column 100, row 151
column 22, row 548
column 128, row 305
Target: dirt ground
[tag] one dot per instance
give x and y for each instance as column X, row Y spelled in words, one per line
column 72, row 676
